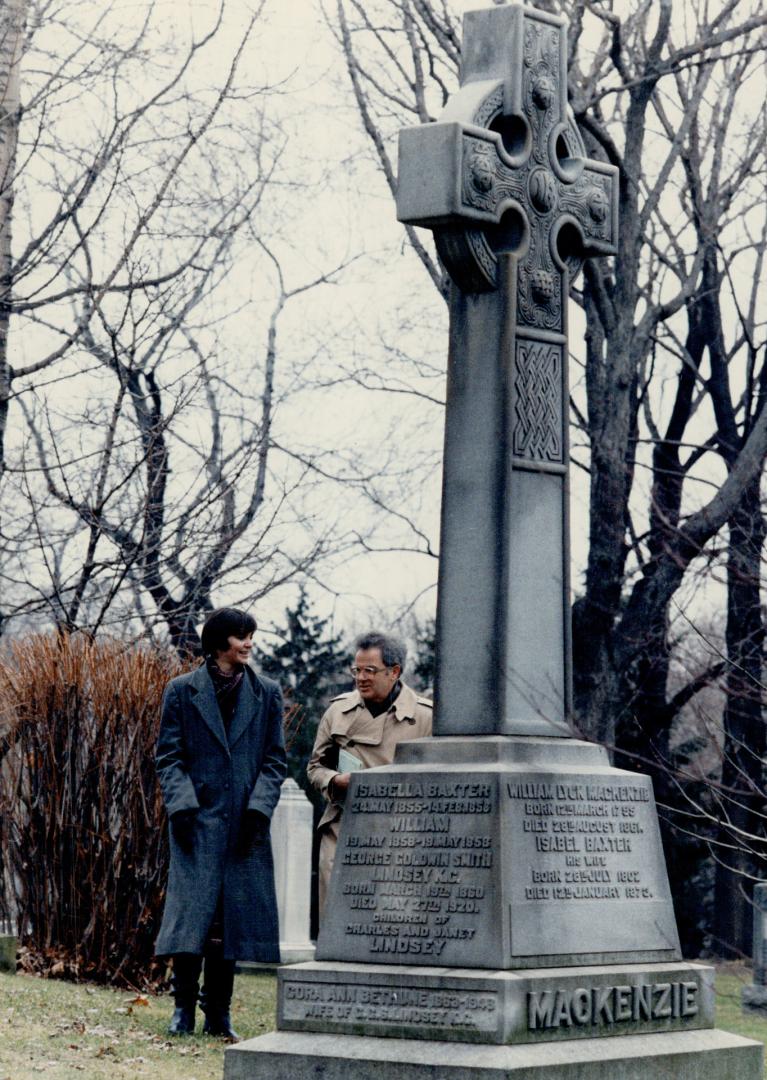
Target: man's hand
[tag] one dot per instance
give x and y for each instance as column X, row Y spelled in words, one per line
column 182, row 827
column 254, row 829
column 339, row 785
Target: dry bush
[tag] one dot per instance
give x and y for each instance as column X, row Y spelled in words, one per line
column 82, row 828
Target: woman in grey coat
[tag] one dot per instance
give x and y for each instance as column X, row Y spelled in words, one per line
column 220, row 761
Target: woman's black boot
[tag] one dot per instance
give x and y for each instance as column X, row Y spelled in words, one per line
column 216, row 997
column 185, row 984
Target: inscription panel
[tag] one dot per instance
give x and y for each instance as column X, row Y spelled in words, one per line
column 588, row 874
column 502, row 1007
column 409, row 1009
column 415, row 872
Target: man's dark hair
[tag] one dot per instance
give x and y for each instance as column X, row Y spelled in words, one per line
column 221, row 625
column 393, row 651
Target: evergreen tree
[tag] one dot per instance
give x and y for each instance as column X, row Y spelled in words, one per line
column 425, row 639
column 310, row 665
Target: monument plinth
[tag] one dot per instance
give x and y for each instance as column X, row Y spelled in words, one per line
column 544, row 856
column 499, row 904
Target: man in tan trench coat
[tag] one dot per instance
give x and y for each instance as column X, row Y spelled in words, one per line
column 361, row 729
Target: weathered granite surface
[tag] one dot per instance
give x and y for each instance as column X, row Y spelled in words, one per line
column 464, row 1005
column 684, row 1055
column 547, row 858
column 291, row 831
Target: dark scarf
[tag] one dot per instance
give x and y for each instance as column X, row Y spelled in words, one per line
column 375, row 708
column 227, row 688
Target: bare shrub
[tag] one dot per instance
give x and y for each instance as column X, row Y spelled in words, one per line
column 82, row 828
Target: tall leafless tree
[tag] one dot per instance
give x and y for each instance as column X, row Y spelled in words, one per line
column 147, row 159
column 674, row 359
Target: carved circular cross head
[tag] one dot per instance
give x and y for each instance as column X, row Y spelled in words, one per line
column 504, row 170
column 525, row 177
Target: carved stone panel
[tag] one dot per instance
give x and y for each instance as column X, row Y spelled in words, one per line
column 537, row 1006
column 588, row 864
column 537, row 423
column 506, row 867
column 415, row 872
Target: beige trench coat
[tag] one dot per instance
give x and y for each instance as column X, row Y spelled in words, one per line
column 349, row 725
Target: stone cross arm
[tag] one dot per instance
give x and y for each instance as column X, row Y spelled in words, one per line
column 505, row 168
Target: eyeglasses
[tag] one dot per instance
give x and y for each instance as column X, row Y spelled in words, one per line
column 355, row 671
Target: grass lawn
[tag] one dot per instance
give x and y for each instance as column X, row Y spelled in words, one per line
column 729, row 1015
column 61, row 1031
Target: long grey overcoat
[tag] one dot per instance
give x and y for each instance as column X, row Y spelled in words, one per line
column 200, row 768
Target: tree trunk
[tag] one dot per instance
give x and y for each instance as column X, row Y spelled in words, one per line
column 12, row 17
column 741, row 853
column 611, row 379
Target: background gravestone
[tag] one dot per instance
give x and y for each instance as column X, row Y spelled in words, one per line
column 499, row 902
column 8, row 949
column 291, row 836
column 292, row 829
column 755, row 996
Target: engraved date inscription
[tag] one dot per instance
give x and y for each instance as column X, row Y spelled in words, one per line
column 411, row 1006
column 581, row 840
column 418, row 878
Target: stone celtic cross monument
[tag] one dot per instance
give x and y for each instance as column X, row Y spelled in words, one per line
column 515, row 205
column 499, row 905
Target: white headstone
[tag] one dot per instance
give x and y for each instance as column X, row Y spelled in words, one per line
column 292, row 826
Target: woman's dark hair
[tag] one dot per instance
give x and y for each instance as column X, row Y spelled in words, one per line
column 221, row 625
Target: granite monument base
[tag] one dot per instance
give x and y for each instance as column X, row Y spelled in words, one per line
column 499, row 908
column 682, row 1055
column 472, row 1005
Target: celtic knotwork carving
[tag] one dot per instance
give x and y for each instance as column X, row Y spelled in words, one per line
column 540, row 84
column 588, row 200
column 486, row 180
column 543, row 287
column 481, row 172
column 543, row 91
column 572, row 143
column 539, row 285
column 598, row 204
column 469, row 250
column 541, row 44
column 491, row 107
column 483, row 253
column 537, row 432
column 480, row 169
